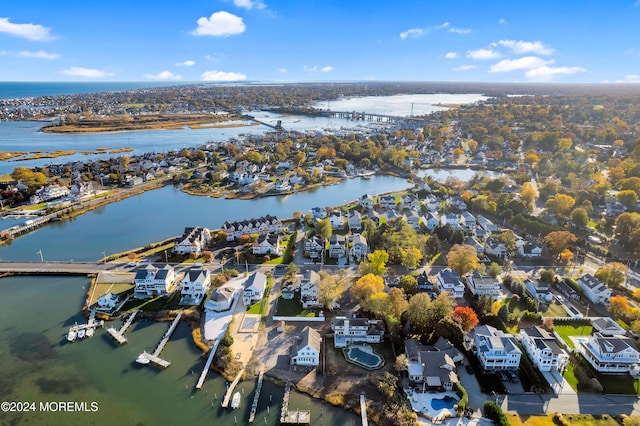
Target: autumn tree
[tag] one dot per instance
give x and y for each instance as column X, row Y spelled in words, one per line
column 466, row 317
column 580, row 216
column 494, row 270
column 409, row 284
column 378, row 261
column 331, row 288
column 528, row 195
column 613, row 274
column 561, row 204
column 463, row 259
column 397, row 302
column 565, row 257
column 628, row 198
column 401, row 363
column 558, row 241
column 423, row 314
column 619, row 306
column 207, row 256
column 323, row 229
column 377, row 303
column 411, row 257
column 367, row 286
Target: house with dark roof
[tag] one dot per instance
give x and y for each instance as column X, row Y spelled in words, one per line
column 611, row 355
column 449, row 280
column 543, row 349
column 594, row 289
column 606, row 326
column 153, row 281
column 337, row 246
column 483, row 284
column 221, row 299
column 356, row 330
column 314, row 247
column 267, row 244
column 432, row 367
column 495, row 349
column 424, row 283
column 306, row 348
column 193, row 240
column 194, row 286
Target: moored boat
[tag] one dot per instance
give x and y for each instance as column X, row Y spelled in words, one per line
column 81, row 333
column 235, row 401
column 90, row 331
column 72, row 334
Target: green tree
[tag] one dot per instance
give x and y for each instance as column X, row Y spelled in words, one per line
column 378, row 261
column 323, row 229
column 580, row 216
column 409, row 284
column 463, row 259
column 423, row 314
column 377, row 304
column 494, row 270
column 612, row 274
column 628, row 198
column 411, row 257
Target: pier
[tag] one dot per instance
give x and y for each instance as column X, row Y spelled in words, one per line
column 256, row 398
column 363, row 410
column 28, row 227
column 232, row 386
column 118, row 335
column 296, row 417
column 154, row 358
column 207, row 365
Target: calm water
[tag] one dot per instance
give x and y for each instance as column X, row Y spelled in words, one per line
column 36, row 364
column 441, row 175
column 162, row 213
column 30, row 89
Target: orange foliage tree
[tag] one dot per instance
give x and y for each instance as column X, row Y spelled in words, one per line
column 466, row 317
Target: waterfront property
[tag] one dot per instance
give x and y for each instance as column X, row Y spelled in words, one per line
column 306, row 348
column 153, row 281
column 544, row 349
column 606, row 326
column 356, row 330
column 194, row 286
column 495, row 349
column 260, row 226
column 254, row 288
column 221, row 299
column 611, row 355
column 431, row 368
column 193, row 240
column 364, row 356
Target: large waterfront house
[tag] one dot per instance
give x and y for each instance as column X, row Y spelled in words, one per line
column 430, row 370
column 260, row 226
column 48, row 193
column 254, row 288
column 448, row 280
column 543, row 349
column 314, row 247
column 221, row 299
column 193, row 240
column 356, row 330
column 366, row 202
column 194, row 285
column 483, row 284
column 306, row 348
column 611, row 355
column 107, row 302
column 152, row 281
column 495, row 349
column 594, row 289
column 387, row 202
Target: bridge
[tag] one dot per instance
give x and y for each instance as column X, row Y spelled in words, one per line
column 366, row 116
column 58, row 268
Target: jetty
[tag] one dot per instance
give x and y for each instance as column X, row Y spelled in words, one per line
column 118, row 335
column 154, row 358
column 256, row 398
column 296, row 417
column 363, row 410
column 207, row 365
column 232, row 386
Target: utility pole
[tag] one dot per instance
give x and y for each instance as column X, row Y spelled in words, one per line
column 40, row 253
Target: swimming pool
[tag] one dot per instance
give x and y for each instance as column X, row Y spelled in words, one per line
column 444, row 402
column 365, row 359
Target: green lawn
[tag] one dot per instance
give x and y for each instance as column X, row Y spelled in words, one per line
column 569, row 330
column 570, row 376
column 39, row 206
column 255, row 309
column 258, row 308
column 555, row 310
column 293, row 308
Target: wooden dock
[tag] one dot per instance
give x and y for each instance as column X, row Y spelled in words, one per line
column 154, row 358
column 118, row 335
column 363, row 410
column 256, row 398
column 296, row 417
column 207, row 365
column 232, row 386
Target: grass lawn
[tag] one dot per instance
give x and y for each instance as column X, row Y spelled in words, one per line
column 555, row 310
column 619, row 384
column 255, row 309
column 293, row 308
column 569, row 330
column 39, row 206
column 574, row 419
column 151, row 305
column 258, row 308
column 276, row 261
column 570, row 376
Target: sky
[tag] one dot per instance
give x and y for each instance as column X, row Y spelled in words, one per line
column 587, row 41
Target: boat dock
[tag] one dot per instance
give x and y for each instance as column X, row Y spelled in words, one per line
column 296, row 417
column 232, row 386
column 363, row 410
column 205, row 370
column 256, row 398
column 118, row 335
column 79, row 331
column 154, row 358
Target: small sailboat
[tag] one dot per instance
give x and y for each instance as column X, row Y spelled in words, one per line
column 235, row 401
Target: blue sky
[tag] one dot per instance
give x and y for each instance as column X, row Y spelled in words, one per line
column 298, row 40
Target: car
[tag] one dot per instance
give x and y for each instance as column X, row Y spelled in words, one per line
column 513, row 376
column 132, row 263
column 469, row 368
column 198, row 264
column 238, row 355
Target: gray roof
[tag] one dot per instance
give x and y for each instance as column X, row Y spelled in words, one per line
column 308, row 337
column 257, row 280
column 543, row 339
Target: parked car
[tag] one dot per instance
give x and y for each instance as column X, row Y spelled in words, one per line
column 469, row 368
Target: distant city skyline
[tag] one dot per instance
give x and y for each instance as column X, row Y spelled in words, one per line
column 570, row 41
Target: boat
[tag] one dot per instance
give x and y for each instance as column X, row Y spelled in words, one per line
column 81, row 333
column 90, row 331
column 143, row 358
column 72, row 334
column 235, row 401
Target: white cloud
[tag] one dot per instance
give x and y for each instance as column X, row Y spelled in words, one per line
column 283, row 70
column 328, row 68
column 459, row 30
column 545, row 72
column 164, row 75
column 413, row 32
column 187, row 63
column 33, row 32
column 3, row 52
column 443, row 25
column 464, row 68
column 219, row 24
column 632, row 78
column 520, row 47
column 85, row 72
column 40, row 54
column 215, row 75
column 482, row 54
column 249, row 4
column 524, row 63
column 310, row 69
column 502, row 21
column 451, row 55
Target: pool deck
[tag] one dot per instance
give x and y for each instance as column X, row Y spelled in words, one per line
column 421, row 403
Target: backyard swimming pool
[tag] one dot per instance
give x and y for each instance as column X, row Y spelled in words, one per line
column 444, row 402
column 366, row 359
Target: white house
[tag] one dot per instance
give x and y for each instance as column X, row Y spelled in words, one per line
column 366, row 202
column 529, row 250
column 306, row 348
column 432, row 203
column 495, row 247
column 495, row 349
column 467, row 221
column 337, row 246
column 479, row 285
column 195, row 284
column 387, row 201
column 449, row 280
column 606, row 326
column 254, row 288
column 50, row 192
column 221, row 299
column 335, row 217
column 309, row 289
column 107, row 302
column 359, row 248
column 612, row 355
column 152, row 281
column 594, row 289
column 413, row 219
column 193, row 240
column 319, row 212
column 410, row 202
column 450, row 219
column 355, row 330
column 486, row 224
column 355, row 221
column 543, row 349
column 435, row 370
column 282, row 185
column 538, row 290
column 477, row 246
column 267, row 244
column 314, row 247
column 431, row 220
column 262, row 225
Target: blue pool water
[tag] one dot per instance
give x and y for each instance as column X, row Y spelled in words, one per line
column 365, row 358
column 445, row 402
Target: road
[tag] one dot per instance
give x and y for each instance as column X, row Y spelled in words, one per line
column 571, row 404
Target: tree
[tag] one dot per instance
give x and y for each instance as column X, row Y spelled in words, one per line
column 423, row 314
column 331, row 289
column 557, row 241
column 494, row 270
column 508, row 238
column 528, row 195
column 561, row 204
column 619, row 306
column 290, row 273
column 366, row 286
column 377, row 303
column 378, row 260
column 411, row 257
column 323, row 229
column 409, row 284
column 401, row 364
column 628, row 198
column 463, row 259
column 466, row 317
column 207, row 256
column 397, row 302
column 580, row 216
column 548, row 275
column 565, row 257
column 433, row 245
column 613, row 274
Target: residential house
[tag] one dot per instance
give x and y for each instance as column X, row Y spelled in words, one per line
column 335, row 217
column 486, row 224
column 544, row 349
column 309, row 290
column 594, row 289
column 467, row 221
column 611, row 355
column 387, row 201
column 356, row 330
column 529, row 250
column 495, row 247
column 366, row 202
column 424, row 283
column 606, row 326
column 409, row 202
column 414, row 220
column 221, row 299
column 107, row 302
column 254, row 288
column 495, row 349
column 262, row 225
column 432, row 203
column 306, row 348
column 314, row 247
column 456, row 202
column 337, row 246
column 195, row 284
column 355, row 221
column 319, row 213
column 483, row 284
column 193, row 240
column 477, row 246
column 48, row 193
column 432, row 367
column 431, row 220
column 282, row 185
column 450, row 219
column 449, row 280
column 153, row 281
column 359, row 247
column 538, row 290
column 267, row 244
